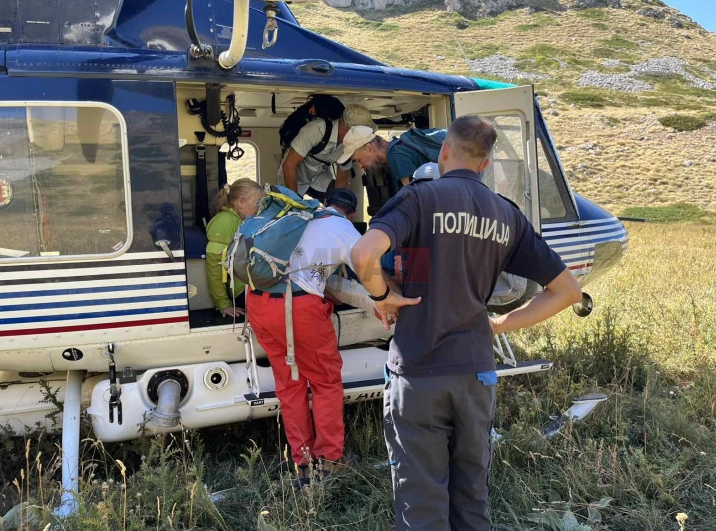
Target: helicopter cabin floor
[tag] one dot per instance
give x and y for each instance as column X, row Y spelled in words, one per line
column 261, row 114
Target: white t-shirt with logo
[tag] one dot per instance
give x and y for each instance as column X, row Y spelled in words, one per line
column 325, row 244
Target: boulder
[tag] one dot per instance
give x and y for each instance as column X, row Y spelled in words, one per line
column 584, row 4
column 675, row 23
column 652, row 13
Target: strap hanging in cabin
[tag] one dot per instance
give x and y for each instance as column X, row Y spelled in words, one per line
column 223, row 178
column 201, row 195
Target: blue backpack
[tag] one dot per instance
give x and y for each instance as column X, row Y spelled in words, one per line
column 427, row 142
column 262, row 247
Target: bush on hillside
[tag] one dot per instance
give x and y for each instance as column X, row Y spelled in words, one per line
column 585, row 99
column 676, row 213
column 681, row 122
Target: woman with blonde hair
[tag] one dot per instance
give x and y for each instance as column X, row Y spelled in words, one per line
column 229, row 208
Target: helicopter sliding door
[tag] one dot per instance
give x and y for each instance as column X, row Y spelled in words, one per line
column 513, row 171
column 91, row 248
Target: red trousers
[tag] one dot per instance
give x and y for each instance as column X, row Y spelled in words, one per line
column 319, row 364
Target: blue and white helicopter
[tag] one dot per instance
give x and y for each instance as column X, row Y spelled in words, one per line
column 112, row 116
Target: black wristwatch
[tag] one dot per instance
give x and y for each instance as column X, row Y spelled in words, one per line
column 382, row 297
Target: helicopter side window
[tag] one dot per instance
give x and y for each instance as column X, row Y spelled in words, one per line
column 555, row 203
column 506, row 174
column 62, row 181
column 246, row 166
column 551, row 204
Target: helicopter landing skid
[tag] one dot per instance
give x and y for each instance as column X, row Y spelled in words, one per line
column 510, row 366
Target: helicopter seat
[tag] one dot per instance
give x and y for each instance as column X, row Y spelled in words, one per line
column 195, row 251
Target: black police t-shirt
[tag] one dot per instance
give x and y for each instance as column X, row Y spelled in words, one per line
column 455, row 237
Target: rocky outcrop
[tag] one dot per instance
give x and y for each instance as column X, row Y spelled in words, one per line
column 651, row 13
column 598, row 3
column 484, row 8
column 479, row 8
column 371, row 5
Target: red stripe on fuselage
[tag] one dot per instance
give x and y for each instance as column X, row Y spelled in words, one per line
column 83, row 328
column 573, row 268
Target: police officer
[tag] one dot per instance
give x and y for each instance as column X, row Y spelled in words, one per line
column 440, row 399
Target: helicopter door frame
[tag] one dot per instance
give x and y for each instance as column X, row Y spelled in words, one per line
column 513, row 102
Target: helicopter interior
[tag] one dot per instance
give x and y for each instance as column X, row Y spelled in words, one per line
column 260, row 115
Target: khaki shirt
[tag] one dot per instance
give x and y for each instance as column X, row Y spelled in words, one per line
column 311, row 172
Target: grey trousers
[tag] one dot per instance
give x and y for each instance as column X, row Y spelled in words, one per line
column 437, row 429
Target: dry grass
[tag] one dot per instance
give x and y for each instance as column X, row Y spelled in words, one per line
column 650, row 345
column 639, row 161
column 635, row 160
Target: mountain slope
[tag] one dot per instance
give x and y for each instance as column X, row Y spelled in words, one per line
column 657, row 69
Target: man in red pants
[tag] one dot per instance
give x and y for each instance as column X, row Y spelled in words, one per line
column 325, row 244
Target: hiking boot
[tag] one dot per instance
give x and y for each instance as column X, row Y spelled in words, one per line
column 303, row 477
column 326, row 468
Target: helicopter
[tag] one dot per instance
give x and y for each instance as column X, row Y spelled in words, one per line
column 118, row 120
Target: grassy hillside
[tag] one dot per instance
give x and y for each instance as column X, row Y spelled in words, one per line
column 636, row 159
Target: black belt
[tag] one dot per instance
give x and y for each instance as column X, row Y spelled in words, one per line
column 297, row 293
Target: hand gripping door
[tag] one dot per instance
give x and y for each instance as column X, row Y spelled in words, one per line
column 513, row 170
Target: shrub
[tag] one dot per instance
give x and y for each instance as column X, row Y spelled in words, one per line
column 678, row 212
column 585, row 99
column 682, row 122
column 593, row 14
column 618, row 42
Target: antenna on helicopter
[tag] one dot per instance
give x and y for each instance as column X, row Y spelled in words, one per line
column 197, row 50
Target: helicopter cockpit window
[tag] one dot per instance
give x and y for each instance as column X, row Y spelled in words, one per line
column 552, row 205
column 62, row 181
column 506, row 174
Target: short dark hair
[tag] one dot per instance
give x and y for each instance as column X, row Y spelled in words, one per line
column 472, row 137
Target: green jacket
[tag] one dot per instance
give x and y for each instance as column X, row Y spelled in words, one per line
column 220, row 231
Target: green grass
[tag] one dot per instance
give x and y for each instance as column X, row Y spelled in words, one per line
column 594, row 14
column 377, row 26
column 537, row 20
column 603, row 52
column 618, row 42
column 600, row 26
column 586, row 98
column 676, row 213
column 480, row 51
column 455, row 19
column 682, row 122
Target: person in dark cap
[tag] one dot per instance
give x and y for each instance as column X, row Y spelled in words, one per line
column 344, row 201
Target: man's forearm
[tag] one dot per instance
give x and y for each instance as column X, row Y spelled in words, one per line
column 365, row 257
column 558, row 295
column 290, row 177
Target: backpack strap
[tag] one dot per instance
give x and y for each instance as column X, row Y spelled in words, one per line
column 323, row 143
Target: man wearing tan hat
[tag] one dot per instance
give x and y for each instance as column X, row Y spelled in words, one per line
column 402, row 156
column 310, row 173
